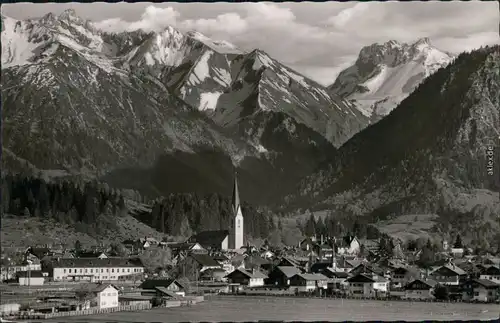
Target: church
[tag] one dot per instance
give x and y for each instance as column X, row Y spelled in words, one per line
column 230, row 239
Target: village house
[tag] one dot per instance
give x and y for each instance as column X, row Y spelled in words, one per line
column 401, row 276
column 214, row 275
column 289, row 262
column 306, row 283
column 96, row 269
column 491, row 273
column 349, row 245
column 368, row 270
column 337, row 279
column 344, row 264
column 195, row 264
column 320, row 266
column 420, row 289
column 481, row 290
column 324, row 251
column 367, row 286
column 256, row 262
column 153, row 286
column 225, row 262
column 449, row 274
column 308, row 244
column 281, row 275
column 186, row 247
column 457, row 252
column 238, row 260
column 9, row 271
column 246, row 278
column 30, row 278
column 38, row 252
column 92, row 254
column 100, row 295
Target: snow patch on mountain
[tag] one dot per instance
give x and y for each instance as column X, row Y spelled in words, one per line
column 261, row 60
column 16, row 48
column 201, row 70
column 222, row 76
column 220, row 46
column 208, row 100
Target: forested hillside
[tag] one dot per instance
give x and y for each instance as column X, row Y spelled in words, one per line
column 183, row 214
column 94, row 208
column 90, row 207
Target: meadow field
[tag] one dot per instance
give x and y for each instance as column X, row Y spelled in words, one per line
column 250, row 308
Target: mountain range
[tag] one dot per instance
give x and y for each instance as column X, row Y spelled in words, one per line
column 406, row 130
column 85, row 101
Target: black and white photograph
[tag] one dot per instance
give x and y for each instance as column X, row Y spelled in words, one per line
column 250, row 161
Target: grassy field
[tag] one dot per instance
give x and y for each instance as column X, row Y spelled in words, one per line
column 407, row 227
column 248, row 308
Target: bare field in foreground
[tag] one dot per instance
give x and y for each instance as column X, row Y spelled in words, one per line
column 248, row 308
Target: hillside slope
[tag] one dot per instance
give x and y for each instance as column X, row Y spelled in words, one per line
column 434, row 154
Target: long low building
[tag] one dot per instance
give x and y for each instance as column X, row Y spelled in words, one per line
column 96, row 269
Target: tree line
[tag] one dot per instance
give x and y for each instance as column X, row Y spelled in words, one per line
column 89, row 206
column 334, row 225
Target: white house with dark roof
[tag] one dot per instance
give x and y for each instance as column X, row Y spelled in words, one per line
column 303, row 283
column 364, row 285
column 491, row 273
column 449, row 274
column 349, row 245
column 281, row 275
column 171, row 285
column 246, row 278
column 420, row 289
column 96, row 269
column 100, row 295
column 30, row 278
column 481, row 290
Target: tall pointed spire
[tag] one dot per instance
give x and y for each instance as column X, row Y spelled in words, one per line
column 236, row 194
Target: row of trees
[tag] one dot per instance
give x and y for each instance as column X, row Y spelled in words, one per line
column 333, row 225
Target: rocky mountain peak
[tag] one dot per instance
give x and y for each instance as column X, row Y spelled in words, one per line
column 48, row 19
column 69, row 14
column 384, row 74
column 422, row 42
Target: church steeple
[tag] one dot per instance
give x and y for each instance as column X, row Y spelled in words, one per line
column 237, row 231
column 236, row 195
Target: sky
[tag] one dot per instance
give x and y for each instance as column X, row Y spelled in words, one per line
column 317, row 39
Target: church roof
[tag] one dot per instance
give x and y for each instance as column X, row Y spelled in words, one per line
column 210, row 239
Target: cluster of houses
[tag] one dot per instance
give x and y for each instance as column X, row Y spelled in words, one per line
column 315, row 266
